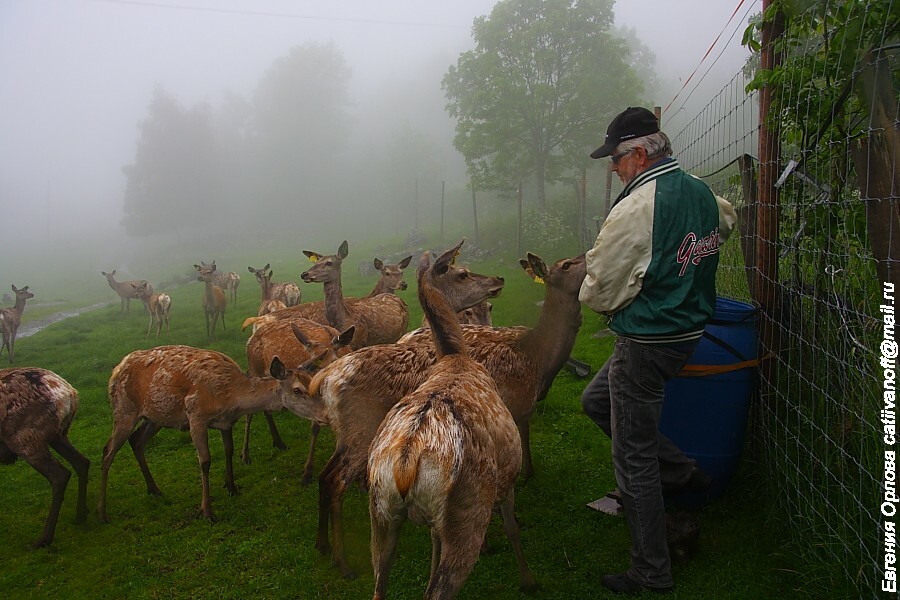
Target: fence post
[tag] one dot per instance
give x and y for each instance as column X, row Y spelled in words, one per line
column 747, row 219
column 767, row 214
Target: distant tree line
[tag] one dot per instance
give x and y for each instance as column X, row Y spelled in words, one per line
column 530, row 101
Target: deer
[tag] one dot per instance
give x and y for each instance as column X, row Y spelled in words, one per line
column 11, row 318
column 158, row 305
column 378, row 319
column 227, row 280
column 37, row 407
column 214, row 300
column 445, row 455
column 359, row 389
column 391, row 278
column 480, row 314
column 125, row 289
column 194, row 389
column 287, row 293
column 280, row 338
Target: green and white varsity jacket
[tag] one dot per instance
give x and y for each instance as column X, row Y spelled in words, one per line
column 653, row 266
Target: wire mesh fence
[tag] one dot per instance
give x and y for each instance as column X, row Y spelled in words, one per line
column 823, row 422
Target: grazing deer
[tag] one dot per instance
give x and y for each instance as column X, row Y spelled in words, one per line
column 360, row 388
column 280, row 338
column 227, row 280
column 391, row 278
column 358, row 401
column 193, row 389
column 36, row 409
column 480, row 314
column 287, row 293
column 158, row 305
column 445, row 455
column 11, row 318
column 125, row 289
column 214, row 299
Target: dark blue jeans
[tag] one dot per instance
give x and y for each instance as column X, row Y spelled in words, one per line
column 625, row 400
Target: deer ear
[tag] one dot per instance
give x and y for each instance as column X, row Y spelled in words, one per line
column 266, row 268
column 301, row 337
column 312, row 256
column 198, row 266
column 252, row 270
column 538, row 267
column 14, row 289
column 345, row 337
column 378, row 264
column 343, row 251
column 424, row 263
column 405, row 262
column 277, row 369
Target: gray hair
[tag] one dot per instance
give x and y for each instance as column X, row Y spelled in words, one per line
column 657, row 145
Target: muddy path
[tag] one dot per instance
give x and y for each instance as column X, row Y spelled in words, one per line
column 32, row 327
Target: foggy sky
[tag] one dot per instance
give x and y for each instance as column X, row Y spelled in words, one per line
column 76, row 77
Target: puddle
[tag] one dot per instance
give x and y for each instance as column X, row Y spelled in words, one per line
column 32, row 327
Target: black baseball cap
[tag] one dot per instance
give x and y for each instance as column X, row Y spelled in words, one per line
column 631, row 123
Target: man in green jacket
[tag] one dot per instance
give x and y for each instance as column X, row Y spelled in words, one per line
column 652, row 270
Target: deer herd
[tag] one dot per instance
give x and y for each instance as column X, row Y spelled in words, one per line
column 433, row 422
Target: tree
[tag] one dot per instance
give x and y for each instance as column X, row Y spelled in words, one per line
column 537, row 92
column 171, row 185
column 301, row 125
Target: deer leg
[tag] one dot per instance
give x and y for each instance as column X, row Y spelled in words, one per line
column 435, row 552
column 525, row 434
column 277, row 442
column 228, row 445
column 207, row 325
column 58, row 476
column 460, row 540
column 150, row 326
column 341, row 478
column 527, row 583
column 310, row 465
column 201, row 443
column 245, row 450
column 385, row 534
column 121, row 432
column 81, row 465
column 326, row 485
column 138, row 440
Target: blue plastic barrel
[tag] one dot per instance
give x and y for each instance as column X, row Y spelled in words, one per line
column 705, row 414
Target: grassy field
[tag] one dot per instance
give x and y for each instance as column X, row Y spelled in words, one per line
column 262, row 544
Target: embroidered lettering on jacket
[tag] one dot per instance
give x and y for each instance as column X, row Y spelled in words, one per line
column 693, row 250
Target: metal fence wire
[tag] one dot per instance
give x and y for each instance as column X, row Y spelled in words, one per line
column 818, row 430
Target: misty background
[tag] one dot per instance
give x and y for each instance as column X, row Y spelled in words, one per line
column 288, row 123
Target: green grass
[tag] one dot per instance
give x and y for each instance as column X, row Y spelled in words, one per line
column 262, row 544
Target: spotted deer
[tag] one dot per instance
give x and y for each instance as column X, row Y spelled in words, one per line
column 158, row 305
column 125, row 289
column 287, row 293
column 227, row 280
column 214, row 300
column 444, row 455
column 193, row 389
column 36, row 410
column 295, row 342
column 359, row 389
column 11, row 318
column 462, row 287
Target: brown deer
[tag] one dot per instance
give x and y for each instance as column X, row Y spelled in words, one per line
column 227, row 280
column 445, row 455
column 125, row 289
column 288, row 293
column 360, row 388
column 193, row 389
column 280, row 338
column 214, row 300
column 36, row 409
column 158, row 305
column 480, row 314
column 11, row 318
column 391, row 278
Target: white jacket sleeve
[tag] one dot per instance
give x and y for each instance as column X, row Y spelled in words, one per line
column 617, row 263
column 727, row 219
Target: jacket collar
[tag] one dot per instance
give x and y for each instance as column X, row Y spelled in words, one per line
column 666, row 165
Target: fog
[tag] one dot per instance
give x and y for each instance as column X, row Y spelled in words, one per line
column 77, row 78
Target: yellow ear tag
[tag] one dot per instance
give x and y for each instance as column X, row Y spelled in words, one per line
column 313, row 258
column 538, row 280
